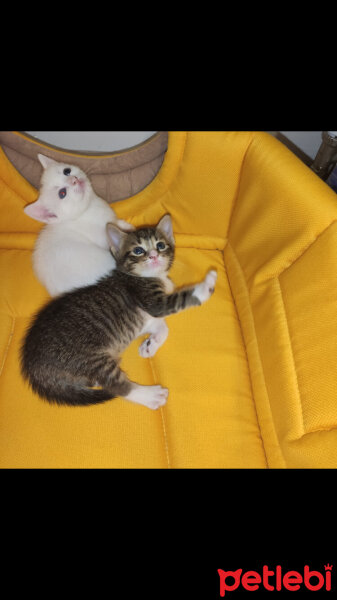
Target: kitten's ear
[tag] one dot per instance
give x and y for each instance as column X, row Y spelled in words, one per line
column 37, row 211
column 165, row 225
column 46, row 161
column 115, row 237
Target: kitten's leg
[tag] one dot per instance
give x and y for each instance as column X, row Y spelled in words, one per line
column 106, row 372
column 159, row 332
column 168, row 304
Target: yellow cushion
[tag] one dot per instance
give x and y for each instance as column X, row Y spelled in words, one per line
column 251, row 373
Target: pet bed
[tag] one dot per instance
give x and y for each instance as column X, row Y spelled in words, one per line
column 251, row 374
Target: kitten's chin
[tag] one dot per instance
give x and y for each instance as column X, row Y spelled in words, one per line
column 153, row 270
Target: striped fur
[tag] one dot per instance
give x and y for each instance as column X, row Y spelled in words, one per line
column 71, row 352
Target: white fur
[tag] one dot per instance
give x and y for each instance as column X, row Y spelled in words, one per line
column 152, row 396
column 72, row 249
column 205, row 289
column 159, row 332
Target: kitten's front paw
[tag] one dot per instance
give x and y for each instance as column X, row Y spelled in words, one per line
column 204, row 290
column 148, row 348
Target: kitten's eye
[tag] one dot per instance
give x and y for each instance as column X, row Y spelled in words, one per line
column 161, row 246
column 62, row 193
column 66, row 171
column 138, row 250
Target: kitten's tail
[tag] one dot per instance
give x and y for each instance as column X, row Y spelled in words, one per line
column 75, row 395
column 68, row 393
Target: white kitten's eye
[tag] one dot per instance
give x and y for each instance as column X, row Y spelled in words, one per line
column 62, row 193
column 138, row 250
column 66, row 171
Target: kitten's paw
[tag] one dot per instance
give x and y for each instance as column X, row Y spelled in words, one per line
column 204, row 290
column 157, row 397
column 152, row 396
column 148, row 348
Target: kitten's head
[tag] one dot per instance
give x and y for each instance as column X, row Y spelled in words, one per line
column 65, row 192
column 146, row 252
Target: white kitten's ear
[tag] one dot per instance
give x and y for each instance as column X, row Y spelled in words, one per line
column 46, row 161
column 165, row 225
column 115, row 237
column 38, row 212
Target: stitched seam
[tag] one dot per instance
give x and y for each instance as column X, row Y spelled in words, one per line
column 161, row 410
column 23, row 198
column 173, row 178
column 247, row 360
column 236, row 196
column 257, row 350
column 10, row 337
column 292, row 354
column 304, row 432
column 300, row 255
column 319, row 430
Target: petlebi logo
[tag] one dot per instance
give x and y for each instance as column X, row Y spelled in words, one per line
column 276, row 579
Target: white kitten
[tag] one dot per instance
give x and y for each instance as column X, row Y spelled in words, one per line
column 72, row 250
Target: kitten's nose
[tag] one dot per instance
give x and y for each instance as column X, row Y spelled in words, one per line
column 153, row 254
column 73, row 180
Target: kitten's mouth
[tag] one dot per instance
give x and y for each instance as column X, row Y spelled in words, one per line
column 79, row 184
column 154, row 262
column 154, row 265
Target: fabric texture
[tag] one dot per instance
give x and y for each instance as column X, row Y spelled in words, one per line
column 251, row 373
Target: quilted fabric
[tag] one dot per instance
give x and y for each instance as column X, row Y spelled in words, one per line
column 251, row 373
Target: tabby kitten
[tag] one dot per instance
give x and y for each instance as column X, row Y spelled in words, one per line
column 72, row 350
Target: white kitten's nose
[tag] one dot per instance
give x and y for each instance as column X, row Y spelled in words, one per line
column 73, row 180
